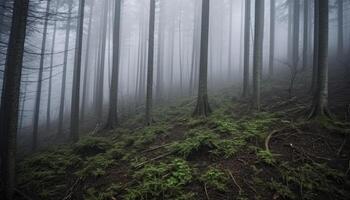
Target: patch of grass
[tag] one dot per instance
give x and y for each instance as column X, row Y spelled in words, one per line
column 148, row 134
column 215, row 178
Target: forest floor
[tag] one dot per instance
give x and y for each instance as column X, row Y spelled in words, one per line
column 235, row 153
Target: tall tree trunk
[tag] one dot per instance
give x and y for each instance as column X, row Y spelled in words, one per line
column 48, row 110
column 64, row 75
column 203, row 108
column 100, row 88
column 74, row 120
column 340, row 28
column 40, row 79
column 316, row 45
column 296, row 37
column 290, row 31
column 320, row 102
column 229, row 73
column 306, row 34
column 246, row 49
column 160, row 56
column 258, row 52
column 87, row 59
column 10, row 97
column 113, row 99
column 149, row 99
column 272, row 37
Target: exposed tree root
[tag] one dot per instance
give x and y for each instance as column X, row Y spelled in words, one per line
column 206, row 191
column 235, row 182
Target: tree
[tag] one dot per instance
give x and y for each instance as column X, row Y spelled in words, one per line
column 40, row 77
column 48, row 110
column 272, row 37
column 258, row 52
column 64, row 75
column 320, row 100
column 74, row 120
column 340, row 32
column 306, row 33
column 316, row 45
column 203, row 108
column 10, row 97
column 113, row 99
column 246, row 49
column 149, row 95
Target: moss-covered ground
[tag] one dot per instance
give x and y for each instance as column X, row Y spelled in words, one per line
column 233, row 154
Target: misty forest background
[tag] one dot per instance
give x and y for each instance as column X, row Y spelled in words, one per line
column 175, row 99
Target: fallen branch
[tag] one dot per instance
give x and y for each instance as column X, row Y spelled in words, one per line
column 206, row 191
column 348, row 170
column 267, row 140
column 235, row 182
column 155, row 148
column 71, row 189
column 340, row 150
column 154, row 159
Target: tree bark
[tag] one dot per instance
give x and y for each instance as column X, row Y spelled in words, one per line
column 320, row 101
column 149, row 99
column 113, row 99
column 10, row 97
column 39, row 84
column 203, row 108
column 74, row 120
column 258, row 52
column 246, row 49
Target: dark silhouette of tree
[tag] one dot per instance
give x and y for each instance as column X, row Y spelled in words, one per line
column 10, row 97
column 203, row 108
column 246, row 49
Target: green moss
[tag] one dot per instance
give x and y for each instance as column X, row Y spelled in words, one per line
column 91, row 146
column 148, row 134
column 215, row 178
column 95, row 166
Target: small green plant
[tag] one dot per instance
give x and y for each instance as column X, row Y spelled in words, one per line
column 215, row 178
column 95, row 166
column 266, row 156
column 91, row 146
column 228, row 148
column 193, row 143
column 161, row 181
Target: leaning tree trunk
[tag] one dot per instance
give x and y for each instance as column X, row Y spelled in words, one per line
column 320, row 101
column 113, row 99
column 258, row 52
column 272, row 37
column 39, row 85
column 203, row 108
column 74, row 119
column 149, row 95
column 306, row 34
column 246, row 49
column 10, row 97
column 64, row 75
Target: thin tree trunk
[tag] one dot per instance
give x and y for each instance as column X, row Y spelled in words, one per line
column 316, row 45
column 10, row 97
column 74, row 120
column 48, row 110
column 246, row 49
column 306, row 34
column 87, row 56
column 320, row 102
column 40, row 79
column 203, row 108
column 272, row 37
column 229, row 74
column 258, row 52
column 340, row 28
column 64, row 75
column 159, row 85
column 113, row 99
column 149, row 99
